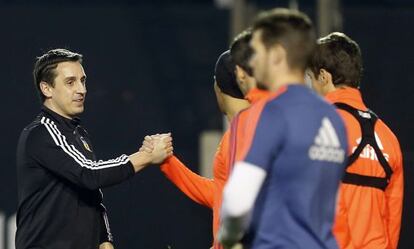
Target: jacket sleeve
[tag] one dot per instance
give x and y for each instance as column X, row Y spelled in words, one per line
column 51, row 150
column 394, row 197
column 105, row 231
column 197, row 188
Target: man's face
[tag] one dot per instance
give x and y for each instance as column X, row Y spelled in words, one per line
column 259, row 61
column 68, row 94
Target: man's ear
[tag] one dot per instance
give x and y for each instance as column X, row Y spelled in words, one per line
column 325, row 77
column 277, row 53
column 46, row 89
column 240, row 74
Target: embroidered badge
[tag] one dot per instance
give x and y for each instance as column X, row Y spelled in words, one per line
column 85, row 144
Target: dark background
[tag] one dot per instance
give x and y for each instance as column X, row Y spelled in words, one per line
column 150, row 69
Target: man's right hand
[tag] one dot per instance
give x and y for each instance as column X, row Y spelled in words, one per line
column 106, row 245
column 159, row 146
column 236, row 246
column 155, row 149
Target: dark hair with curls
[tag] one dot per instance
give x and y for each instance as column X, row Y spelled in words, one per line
column 341, row 57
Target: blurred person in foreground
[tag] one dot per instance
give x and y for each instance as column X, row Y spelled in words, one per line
column 284, row 183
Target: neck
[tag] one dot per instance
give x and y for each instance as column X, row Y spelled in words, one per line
column 250, row 84
column 289, row 78
column 247, row 85
column 233, row 108
column 52, row 107
column 330, row 88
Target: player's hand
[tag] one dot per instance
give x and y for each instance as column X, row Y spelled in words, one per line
column 229, row 239
column 162, row 147
column 154, row 150
column 148, row 144
column 236, row 246
column 157, row 147
column 106, row 245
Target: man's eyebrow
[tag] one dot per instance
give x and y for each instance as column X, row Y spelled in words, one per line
column 70, row 78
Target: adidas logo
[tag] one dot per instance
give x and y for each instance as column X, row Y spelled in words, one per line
column 369, row 152
column 326, row 146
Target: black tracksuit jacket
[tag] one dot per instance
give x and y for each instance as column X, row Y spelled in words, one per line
column 59, row 180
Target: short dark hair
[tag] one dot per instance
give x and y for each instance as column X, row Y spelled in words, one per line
column 341, row 57
column 291, row 29
column 241, row 51
column 45, row 65
column 225, row 76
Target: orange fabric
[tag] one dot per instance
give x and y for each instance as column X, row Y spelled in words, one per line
column 256, row 94
column 247, row 122
column 207, row 192
column 367, row 217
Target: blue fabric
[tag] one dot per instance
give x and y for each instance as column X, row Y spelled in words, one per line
column 296, row 205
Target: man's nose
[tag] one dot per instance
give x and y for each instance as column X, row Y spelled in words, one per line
column 81, row 88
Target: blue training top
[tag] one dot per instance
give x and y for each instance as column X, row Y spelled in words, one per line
column 300, row 141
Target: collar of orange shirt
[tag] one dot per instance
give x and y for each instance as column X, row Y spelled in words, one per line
column 256, row 94
column 347, row 95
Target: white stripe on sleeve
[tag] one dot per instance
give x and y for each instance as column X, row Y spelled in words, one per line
column 60, row 140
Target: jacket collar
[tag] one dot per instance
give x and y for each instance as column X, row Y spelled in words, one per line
column 347, row 95
column 63, row 122
column 256, row 94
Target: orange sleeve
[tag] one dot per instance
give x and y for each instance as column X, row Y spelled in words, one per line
column 249, row 120
column 199, row 189
column 394, row 197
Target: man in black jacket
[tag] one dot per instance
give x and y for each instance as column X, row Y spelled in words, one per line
column 59, row 178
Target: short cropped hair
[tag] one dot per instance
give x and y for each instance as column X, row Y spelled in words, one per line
column 45, row 65
column 241, row 52
column 341, row 57
column 291, row 29
column 225, row 76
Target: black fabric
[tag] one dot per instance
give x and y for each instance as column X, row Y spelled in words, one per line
column 367, row 121
column 225, row 76
column 368, row 181
column 59, row 197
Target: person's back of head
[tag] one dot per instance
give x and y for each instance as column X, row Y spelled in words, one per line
column 45, row 65
column 291, row 29
column 224, row 76
column 340, row 56
column 241, row 52
column 229, row 96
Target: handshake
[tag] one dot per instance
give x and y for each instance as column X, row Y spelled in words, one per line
column 158, row 147
column 155, row 149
